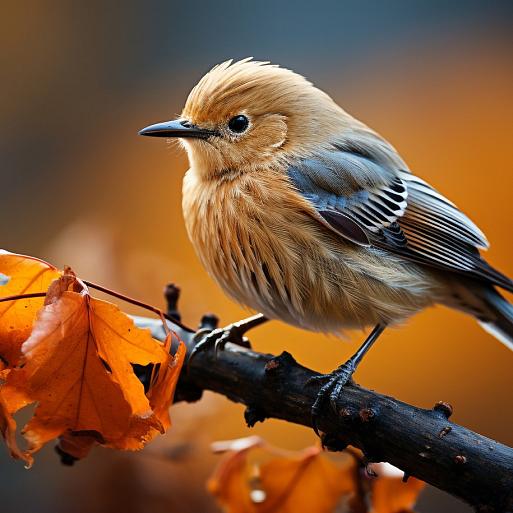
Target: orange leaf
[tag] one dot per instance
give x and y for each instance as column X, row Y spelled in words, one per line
column 162, row 391
column 20, row 274
column 312, row 483
column 307, row 482
column 160, row 395
column 231, row 483
column 390, row 494
column 78, row 367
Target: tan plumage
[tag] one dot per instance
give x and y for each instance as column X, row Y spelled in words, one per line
column 260, row 241
column 309, row 216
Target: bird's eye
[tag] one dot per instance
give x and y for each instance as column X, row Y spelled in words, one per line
column 238, row 124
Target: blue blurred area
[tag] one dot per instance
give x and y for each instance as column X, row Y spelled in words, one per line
column 100, row 51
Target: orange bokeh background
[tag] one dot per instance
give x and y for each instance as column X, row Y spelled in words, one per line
column 108, row 203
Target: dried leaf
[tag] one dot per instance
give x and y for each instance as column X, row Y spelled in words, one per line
column 308, row 482
column 390, row 494
column 20, row 274
column 78, row 367
column 231, row 483
column 162, row 391
column 312, row 483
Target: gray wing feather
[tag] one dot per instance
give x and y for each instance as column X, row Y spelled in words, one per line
column 368, row 202
column 429, row 208
column 350, row 189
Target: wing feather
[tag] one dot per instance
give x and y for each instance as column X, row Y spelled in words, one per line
column 427, row 206
column 393, row 210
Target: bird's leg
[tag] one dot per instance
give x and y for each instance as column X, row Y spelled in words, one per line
column 335, row 381
column 219, row 337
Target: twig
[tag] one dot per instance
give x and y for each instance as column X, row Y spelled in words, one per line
column 423, row 443
column 19, row 297
column 136, row 302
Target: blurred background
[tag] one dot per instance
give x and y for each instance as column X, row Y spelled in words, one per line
column 79, row 187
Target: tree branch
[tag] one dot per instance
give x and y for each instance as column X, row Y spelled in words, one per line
column 423, row 443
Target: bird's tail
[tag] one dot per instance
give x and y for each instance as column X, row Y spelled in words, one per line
column 499, row 317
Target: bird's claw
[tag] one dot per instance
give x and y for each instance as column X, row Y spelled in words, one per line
column 217, row 339
column 330, row 390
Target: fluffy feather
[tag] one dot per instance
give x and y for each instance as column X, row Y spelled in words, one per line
column 311, row 217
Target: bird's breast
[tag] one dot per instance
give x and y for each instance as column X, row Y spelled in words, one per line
column 247, row 233
column 258, row 239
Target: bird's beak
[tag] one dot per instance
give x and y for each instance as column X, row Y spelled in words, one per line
column 176, row 128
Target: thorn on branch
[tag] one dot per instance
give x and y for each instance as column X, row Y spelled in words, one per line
column 460, row 459
column 445, row 431
column 444, row 408
column 172, row 295
column 332, row 442
column 209, row 321
column 254, row 414
column 279, row 363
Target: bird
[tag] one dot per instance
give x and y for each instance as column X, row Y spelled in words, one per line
column 304, row 214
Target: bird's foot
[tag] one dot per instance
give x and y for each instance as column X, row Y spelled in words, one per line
column 218, row 338
column 332, row 385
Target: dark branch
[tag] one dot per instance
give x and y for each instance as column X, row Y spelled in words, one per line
column 423, row 443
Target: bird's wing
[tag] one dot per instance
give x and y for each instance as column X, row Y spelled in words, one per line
column 393, row 210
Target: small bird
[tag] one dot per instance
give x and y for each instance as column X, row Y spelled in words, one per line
column 303, row 213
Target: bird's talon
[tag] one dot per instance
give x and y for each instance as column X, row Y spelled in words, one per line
column 319, row 378
column 334, row 395
column 315, row 427
column 331, row 390
column 221, row 343
column 217, row 340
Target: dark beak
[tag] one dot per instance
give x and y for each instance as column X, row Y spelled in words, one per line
column 176, row 128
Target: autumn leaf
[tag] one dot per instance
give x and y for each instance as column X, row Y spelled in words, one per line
column 20, row 274
column 160, row 396
column 162, row 391
column 78, row 367
column 390, row 494
column 304, row 482
column 231, row 482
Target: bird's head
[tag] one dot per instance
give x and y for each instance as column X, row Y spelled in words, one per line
column 247, row 115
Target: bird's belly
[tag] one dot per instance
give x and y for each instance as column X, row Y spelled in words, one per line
column 319, row 295
column 278, row 260
column 310, row 287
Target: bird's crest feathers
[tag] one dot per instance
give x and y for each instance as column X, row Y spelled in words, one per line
column 229, row 87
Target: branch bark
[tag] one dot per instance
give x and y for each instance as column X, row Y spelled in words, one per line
column 423, row 443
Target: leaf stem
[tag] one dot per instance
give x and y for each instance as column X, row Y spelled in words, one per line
column 137, row 303
column 22, row 296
